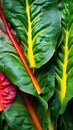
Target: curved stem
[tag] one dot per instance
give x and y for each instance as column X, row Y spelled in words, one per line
column 20, row 53
column 32, row 112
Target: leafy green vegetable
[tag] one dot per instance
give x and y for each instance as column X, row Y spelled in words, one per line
column 11, row 65
column 66, row 120
column 37, row 24
column 18, row 74
column 46, row 72
column 18, row 117
column 36, row 54
column 64, row 62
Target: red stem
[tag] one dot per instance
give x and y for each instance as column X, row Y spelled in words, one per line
column 20, row 53
column 35, row 83
column 32, row 112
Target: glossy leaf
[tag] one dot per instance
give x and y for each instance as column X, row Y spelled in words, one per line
column 64, row 58
column 18, row 48
column 18, row 117
column 46, row 79
column 37, row 24
column 11, row 65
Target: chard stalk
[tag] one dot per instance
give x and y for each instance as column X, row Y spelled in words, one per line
column 30, row 108
column 20, row 53
column 32, row 112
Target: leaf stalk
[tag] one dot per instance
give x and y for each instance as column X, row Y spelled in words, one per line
column 20, row 53
column 32, row 112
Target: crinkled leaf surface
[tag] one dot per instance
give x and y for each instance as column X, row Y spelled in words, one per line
column 37, row 24
column 64, row 58
column 18, row 117
column 11, row 65
column 46, row 79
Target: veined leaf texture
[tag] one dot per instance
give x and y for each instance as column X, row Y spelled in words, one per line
column 43, row 30
column 64, row 62
column 35, row 27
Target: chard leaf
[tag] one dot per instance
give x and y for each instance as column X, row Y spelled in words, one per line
column 37, row 24
column 54, row 108
column 46, row 79
column 3, row 123
column 66, row 120
column 18, row 117
column 13, row 68
column 64, row 57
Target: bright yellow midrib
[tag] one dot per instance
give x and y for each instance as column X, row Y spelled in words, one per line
column 30, row 42
column 64, row 76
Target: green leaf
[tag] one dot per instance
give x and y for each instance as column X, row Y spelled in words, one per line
column 65, row 121
column 11, row 65
column 40, row 107
column 37, row 24
column 3, row 123
column 13, row 68
column 64, row 57
column 54, row 108
column 18, row 117
column 46, row 79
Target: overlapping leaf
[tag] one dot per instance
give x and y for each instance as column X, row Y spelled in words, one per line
column 11, row 65
column 63, row 66
column 37, row 24
column 3, row 123
column 64, row 58
column 66, row 120
column 18, row 117
column 46, row 78
column 54, row 108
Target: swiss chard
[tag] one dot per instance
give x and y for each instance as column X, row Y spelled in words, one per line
column 37, row 24
column 36, row 40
